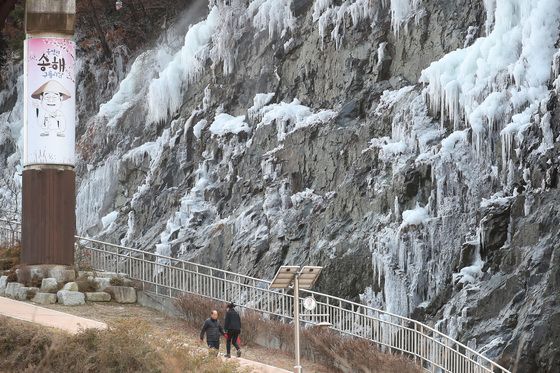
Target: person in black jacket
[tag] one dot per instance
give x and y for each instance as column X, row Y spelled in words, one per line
column 213, row 330
column 232, row 326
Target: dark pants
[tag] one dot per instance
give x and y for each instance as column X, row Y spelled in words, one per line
column 232, row 338
column 213, row 344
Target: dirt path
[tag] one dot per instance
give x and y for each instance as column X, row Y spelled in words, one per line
column 174, row 328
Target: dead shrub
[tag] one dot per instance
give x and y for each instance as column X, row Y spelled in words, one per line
column 86, row 283
column 338, row 352
column 21, row 345
column 127, row 346
column 196, row 309
column 28, row 278
column 9, row 257
column 116, row 281
column 12, row 275
column 344, row 353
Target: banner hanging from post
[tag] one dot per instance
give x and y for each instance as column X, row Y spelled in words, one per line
column 50, row 101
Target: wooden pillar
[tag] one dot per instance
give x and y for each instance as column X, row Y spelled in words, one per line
column 48, row 195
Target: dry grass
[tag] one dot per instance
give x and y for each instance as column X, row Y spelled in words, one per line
column 324, row 346
column 127, row 346
column 9, row 257
column 86, row 283
column 28, row 278
column 117, row 281
column 196, row 310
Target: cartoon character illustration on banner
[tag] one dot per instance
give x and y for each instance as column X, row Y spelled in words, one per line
column 48, row 113
column 50, row 101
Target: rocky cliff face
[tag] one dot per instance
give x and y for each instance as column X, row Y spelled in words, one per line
column 410, row 147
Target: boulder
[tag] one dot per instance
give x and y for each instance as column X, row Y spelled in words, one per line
column 62, row 274
column 98, row 296
column 49, row 285
column 109, row 275
column 44, row 298
column 122, row 294
column 86, row 274
column 25, row 293
column 70, row 298
column 102, row 283
column 3, row 284
column 29, row 274
column 71, row 286
column 12, row 289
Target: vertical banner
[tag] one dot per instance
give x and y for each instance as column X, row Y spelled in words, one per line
column 50, row 101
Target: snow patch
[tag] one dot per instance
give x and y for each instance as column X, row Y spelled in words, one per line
column 417, row 216
column 292, row 116
column 198, row 127
column 225, row 123
column 109, row 219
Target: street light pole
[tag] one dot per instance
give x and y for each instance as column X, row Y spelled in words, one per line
column 297, row 368
column 304, row 277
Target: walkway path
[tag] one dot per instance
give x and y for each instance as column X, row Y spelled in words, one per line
column 44, row 316
column 259, row 368
column 48, row 317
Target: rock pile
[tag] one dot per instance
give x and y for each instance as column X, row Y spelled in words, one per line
column 60, row 285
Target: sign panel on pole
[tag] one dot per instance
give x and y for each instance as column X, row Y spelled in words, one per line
column 50, row 102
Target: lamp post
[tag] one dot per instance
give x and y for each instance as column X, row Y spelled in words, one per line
column 298, row 277
column 48, row 192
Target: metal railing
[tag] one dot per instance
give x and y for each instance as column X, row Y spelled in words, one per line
column 10, row 233
column 171, row 277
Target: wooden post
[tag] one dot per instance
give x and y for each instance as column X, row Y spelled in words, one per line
column 48, row 195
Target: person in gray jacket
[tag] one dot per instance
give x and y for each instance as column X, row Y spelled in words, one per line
column 213, row 331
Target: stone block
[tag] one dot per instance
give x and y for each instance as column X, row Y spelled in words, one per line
column 29, row 274
column 102, row 283
column 49, row 285
column 70, row 298
column 44, row 298
column 122, row 294
column 71, row 286
column 12, row 289
column 25, row 293
column 3, row 284
column 86, row 274
column 62, row 274
column 99, row 296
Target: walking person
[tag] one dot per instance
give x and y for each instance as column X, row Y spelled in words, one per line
column 232, row 326
column 213, row 331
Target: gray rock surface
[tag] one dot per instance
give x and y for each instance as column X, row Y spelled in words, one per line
column 62, row 274
column 70, row 286
column 100, row 296
column 24, row 293
column 122, row 294
column 102, row 283
column 12, row 289
column 70, row 298
column 49, row 285
column 44, row 298
column 3, row 283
